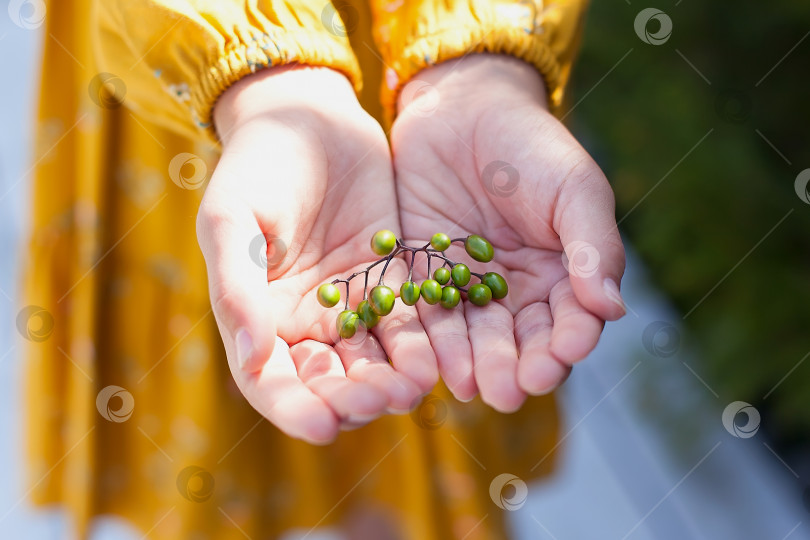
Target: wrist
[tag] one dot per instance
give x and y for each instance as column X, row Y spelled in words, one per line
column 475, row 81
column 291, row 92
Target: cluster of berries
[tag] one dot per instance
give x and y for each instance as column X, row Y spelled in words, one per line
column 437, row 289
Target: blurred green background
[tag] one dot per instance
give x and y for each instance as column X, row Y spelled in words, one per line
column 726, row 221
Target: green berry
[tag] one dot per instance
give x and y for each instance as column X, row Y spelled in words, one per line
column 367, row 316
column 440, row 241
column 431, row 291
column 347, row 323
column 497, row 285
column 450, row 297
column 409, row 293
column 442, row 275
column 328, row 295
column 479, row 294
column 383, row 242
column 381, row 300
column 460, row 275
column 479, row 248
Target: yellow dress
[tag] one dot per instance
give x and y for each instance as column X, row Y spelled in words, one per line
column 131, row 409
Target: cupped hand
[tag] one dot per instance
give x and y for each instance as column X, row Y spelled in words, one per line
column 303, row 182
column 477, row 152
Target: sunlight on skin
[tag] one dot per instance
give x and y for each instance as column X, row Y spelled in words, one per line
column 282, row 345
column 557, row 197
column 278, row 339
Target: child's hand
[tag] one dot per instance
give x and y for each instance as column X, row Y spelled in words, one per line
column 549, row 196
column 305, row 166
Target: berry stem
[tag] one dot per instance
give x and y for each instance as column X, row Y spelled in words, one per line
column 446, row 260
column 351, row 277
column 387, row 262
column 365, row 286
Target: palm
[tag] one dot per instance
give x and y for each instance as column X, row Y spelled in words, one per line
column 332, row 242
column 444, row 185
column 317, row 215
column 443, row 166
column 344, row 207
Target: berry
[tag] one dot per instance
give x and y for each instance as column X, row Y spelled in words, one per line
column 479, row 294
column 328, row 295
column 347, row 323
column 383, row 242
column 442, row 275
column 431, row 291
column 409, row 293
column 367, row 316
column 460, row 275
column 381, row 300
column 440, row 241
column 450, row 297
column 497, row 285
column 479, row 248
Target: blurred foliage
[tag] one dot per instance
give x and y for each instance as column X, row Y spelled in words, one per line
column 719, row 224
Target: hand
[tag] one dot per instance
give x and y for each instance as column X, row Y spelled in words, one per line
column 455, row 119
column 304, row 166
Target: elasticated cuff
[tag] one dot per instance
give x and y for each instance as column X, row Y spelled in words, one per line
column 310, row 48
column 457, row 42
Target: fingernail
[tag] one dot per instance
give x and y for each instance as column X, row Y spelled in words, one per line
column 244, row 347
column 361, row 418
column 544, row 391
column 612, row 292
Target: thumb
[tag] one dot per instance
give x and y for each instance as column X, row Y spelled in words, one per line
column 237, row 255
column 593, row 252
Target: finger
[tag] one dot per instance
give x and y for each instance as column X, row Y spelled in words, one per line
column 495, row 360
column 320, row 368
column 538, row 371
column 593, row 249
column 277, row 392
column 403, row 338
column 365, row 361
column 576, row 330
column 447, row 331
column 237, row 285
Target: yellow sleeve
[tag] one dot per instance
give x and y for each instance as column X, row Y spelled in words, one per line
column 413, row 35
column 171, row 59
